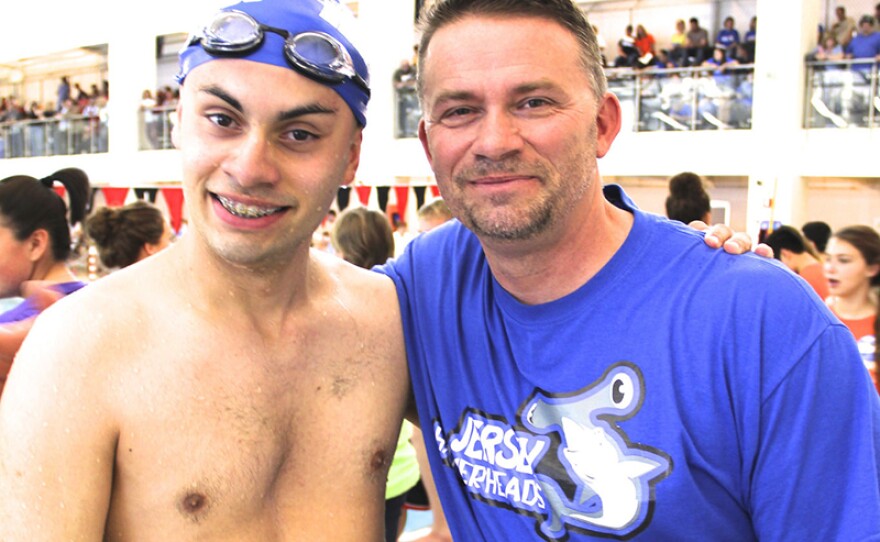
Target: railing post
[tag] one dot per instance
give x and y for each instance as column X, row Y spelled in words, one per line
column 872, row 95
column 637, row 107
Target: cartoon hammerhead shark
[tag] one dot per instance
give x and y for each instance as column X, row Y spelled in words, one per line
column 612, row 477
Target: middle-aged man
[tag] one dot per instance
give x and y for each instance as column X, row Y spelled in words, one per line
column 587, row 370
column 237, row 386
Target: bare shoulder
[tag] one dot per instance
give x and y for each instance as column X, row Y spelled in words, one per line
column 361, row 289
column 81, row 334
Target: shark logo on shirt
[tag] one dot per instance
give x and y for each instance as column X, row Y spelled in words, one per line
column 614, row 478
column 564, row 445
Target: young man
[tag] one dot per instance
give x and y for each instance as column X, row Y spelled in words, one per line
column 237, row 386
column 591, row 371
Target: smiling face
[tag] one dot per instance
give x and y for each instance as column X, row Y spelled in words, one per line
column 512, row 131
column 847, row 271
column 264, row 151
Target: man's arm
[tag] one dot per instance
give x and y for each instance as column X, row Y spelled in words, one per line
column 57, row 439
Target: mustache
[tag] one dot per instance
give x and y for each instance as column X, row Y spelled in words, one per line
column 511, row 166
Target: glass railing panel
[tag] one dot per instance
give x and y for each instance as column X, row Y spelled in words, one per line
column 842, row 94
column 155, row 128
column 407, row 112
column 684, row 99
column 55, row 136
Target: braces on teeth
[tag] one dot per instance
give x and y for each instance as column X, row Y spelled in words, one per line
column 245, row 211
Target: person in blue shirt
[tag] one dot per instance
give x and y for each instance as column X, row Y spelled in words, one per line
column 865, row 44
column 584, row 370
column 728, row 37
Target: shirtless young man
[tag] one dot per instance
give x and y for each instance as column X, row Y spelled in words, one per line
column 236, row 386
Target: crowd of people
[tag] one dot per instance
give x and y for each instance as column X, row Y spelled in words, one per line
column 76, row 123
column 580, row 369
column 689, row 46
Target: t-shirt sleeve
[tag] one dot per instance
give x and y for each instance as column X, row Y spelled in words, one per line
column 841, row 455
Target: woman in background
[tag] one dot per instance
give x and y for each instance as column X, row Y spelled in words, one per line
column 688, row 199
column 126, row 235
column 363, row 237
column 852, row 266
column 35, row 244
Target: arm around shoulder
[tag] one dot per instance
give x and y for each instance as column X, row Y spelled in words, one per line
column 57, row 438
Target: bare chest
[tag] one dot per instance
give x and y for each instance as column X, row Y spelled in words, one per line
column 226, row 436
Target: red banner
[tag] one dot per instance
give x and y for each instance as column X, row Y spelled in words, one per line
column 114, row 196
column 174, row 200
column 363, row 194
column 402, row 196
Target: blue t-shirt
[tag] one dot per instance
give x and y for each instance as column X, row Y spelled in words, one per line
column 680, row 394
column 728, row 37
column 26, row 309
column 863, row 46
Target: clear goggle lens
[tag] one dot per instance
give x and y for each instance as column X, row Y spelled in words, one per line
column 315, row 53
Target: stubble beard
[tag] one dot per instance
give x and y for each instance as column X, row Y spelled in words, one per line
column 501, row 218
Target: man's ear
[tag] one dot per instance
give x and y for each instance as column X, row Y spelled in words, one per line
column 175, row 126
column 354, row 157
column 607, row 123
column 423, row 138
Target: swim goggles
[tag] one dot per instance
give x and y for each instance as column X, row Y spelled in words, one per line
column 316, row 55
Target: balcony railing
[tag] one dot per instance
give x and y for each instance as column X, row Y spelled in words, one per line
column 406, row 113
column 54, row 136
column 684, row 99
column 155, row 128
column 842, row 94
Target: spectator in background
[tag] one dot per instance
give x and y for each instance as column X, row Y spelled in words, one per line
column 688, row 200
column 866, row 44
column 741, row 54
column 35, row 243
column 432, row 214
column 728, row 37
column 63, row 91
column 697, row 43
column 790, row 247
column 817, row 234
column 751, row 34
column 644, row 42
column 404, row 81
column 128, row 234
column 149, row 130
column 843, row 28
column 853, row 269
column 678, row 51
column 828, row 49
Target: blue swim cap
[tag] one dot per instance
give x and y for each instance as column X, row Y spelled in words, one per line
column 294, row 16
